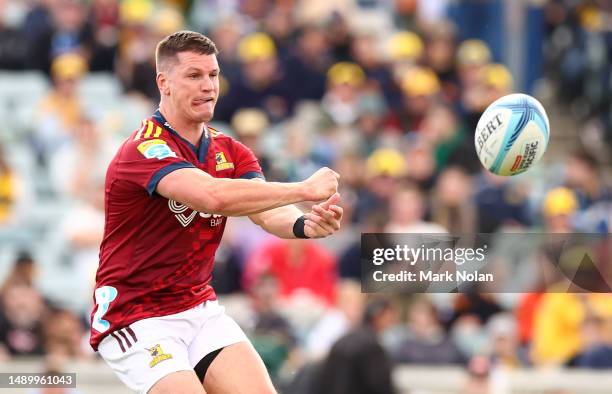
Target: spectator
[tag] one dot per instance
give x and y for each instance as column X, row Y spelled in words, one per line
column 308, row 62
column 557, row 331
column 21, row 320
column 445, row 133
column 366, row 51
column 61, row 110
column 302, row 269
column 559, row 208
column 440, row 49
column 499, row 203
column 345, row 82
column 384, row 169
column 473, row 56
column 497, row 80
column 420, row 87
column 226, row 35
column 593, row 194
column 407, row 212
column 405, row 51
column 426, row 341
column 452, row 206
column 12, row 51
column 68, row 32
column 479, row 370
column 261, row 83
column 358, row 363
column 599, row 354
column 272, row 334
column 250, row 124
column 421, row 169
column 336, row 321
column 104, row 17
column 505, row 351
column 79, row 164
column 23, row 272
column 64, row 332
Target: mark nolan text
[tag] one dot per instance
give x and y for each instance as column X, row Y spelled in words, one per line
column 429, row 276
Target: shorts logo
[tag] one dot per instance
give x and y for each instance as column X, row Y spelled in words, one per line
column 222, row 163
column 158, row 355
column 156, row 148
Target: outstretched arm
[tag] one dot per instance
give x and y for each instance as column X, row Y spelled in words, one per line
column 240, row 197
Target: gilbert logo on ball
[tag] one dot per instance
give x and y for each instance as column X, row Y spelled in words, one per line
column 512, row 134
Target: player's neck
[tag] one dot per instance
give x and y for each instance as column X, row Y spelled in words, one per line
column 190, row 131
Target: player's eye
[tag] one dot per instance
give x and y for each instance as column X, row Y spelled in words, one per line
column 193, row 76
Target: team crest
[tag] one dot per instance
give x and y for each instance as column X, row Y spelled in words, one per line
column 156, row 148
column 222, row 163
column 158, row 355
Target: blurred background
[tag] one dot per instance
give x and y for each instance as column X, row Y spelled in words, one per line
column 387, row 93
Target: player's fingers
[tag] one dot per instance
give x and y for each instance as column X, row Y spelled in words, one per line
column 325, row 213
column 310, row 230
column 338, row 210
column 313, row 230
column 326, row 220
column 333, row 199
column 324, row 224
column 330, row 217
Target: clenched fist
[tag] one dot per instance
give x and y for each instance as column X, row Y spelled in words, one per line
column 321, row 185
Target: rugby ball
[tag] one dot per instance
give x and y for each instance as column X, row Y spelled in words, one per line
column 512, row 134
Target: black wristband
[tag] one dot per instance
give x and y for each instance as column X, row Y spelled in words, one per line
column 298, row 227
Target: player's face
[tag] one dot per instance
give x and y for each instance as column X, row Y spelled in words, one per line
column 193, row 83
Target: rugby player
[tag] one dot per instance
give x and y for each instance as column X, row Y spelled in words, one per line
column 169, row 190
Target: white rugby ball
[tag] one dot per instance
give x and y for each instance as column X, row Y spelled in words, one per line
column 512, row 134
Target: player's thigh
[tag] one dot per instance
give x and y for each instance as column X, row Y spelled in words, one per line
column 184, row 382
column 238, row 369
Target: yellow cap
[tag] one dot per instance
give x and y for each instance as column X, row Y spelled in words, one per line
column 420, row 81
column 249, row 122
column 405, row 45
column 473, row 52
column 560, row 201
column 256, row 46
column 345, row 73
column 166, row 21
column 69, row 66
column 498, row 76
column 135, row 11
column 385, row 161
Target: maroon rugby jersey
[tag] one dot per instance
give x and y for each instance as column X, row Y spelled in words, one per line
column 157, row 255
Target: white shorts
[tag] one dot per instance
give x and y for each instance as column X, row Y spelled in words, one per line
column 152, row 348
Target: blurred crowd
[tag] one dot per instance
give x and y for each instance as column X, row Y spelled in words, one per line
column 386, row 92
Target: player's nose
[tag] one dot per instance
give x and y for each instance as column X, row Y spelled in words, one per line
column 207, row 84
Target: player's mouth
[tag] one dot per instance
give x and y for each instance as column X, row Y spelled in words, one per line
column 204, row 100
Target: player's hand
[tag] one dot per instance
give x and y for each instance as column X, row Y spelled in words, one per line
column 321, row 185
column 324, row 218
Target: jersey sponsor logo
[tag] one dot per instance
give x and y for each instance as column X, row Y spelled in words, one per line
column 222, row 163
column 185, row 219
column 158, row 355
column 155, row 148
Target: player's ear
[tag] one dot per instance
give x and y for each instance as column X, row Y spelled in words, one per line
column 162, row 83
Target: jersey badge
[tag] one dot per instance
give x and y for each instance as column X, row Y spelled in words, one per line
column 155, row 148
column 222, row 163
